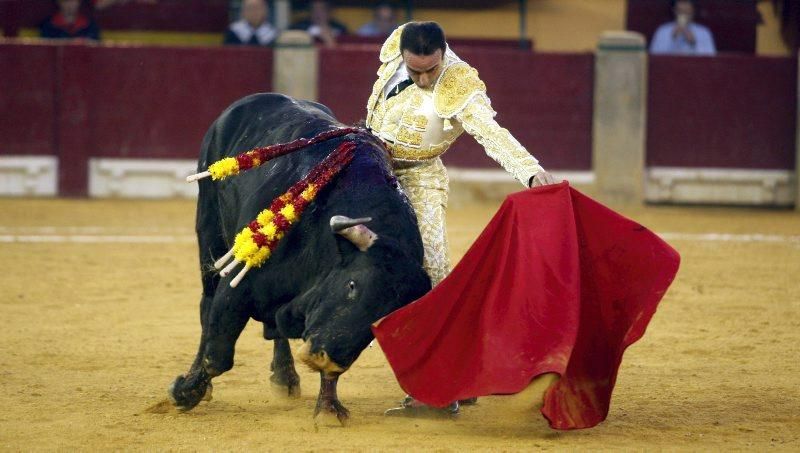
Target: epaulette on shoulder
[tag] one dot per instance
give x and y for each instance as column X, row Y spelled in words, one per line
column 456, row 87
column 391, row 48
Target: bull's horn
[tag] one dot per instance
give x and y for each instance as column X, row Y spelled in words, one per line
column 340, row 222
column 354, row 230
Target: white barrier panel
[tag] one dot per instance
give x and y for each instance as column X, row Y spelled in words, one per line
column 141, row 178
column 502, row 176
column 720, row 186
column 25, row 176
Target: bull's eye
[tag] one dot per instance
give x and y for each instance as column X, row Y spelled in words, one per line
column 351, row 289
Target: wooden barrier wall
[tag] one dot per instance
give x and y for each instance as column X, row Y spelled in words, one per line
column 80, row 101
column 545, row 100
column 729, row 111
column 76, row 101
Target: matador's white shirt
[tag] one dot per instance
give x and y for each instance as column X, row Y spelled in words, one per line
column 420, row 124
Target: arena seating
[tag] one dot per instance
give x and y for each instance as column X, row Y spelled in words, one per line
column 164, row 15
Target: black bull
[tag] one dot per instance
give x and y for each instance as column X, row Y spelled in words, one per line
column 317, row 285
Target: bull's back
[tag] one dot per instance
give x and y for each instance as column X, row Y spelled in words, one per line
column 254, row 121
column 259, row 120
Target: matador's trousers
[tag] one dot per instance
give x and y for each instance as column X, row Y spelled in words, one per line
column 426, row 184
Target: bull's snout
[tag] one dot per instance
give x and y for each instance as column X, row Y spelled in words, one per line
column 319, row 361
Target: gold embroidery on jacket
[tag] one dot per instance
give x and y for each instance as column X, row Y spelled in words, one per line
column 456, row 87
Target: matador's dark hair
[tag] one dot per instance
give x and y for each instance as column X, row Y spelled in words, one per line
column 422, row 38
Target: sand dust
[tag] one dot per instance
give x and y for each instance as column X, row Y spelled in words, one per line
column 93, row 333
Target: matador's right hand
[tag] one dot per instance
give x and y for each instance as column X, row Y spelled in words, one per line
column 542, row 178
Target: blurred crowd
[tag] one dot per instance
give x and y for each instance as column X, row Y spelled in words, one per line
column 253, row 24
column 74, row 19
column 255, row 28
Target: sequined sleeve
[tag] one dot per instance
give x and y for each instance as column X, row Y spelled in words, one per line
column 478, row 121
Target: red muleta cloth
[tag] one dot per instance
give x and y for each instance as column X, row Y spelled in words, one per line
column 555, row 283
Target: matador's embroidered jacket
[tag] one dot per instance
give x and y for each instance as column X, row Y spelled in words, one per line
column 419, row 125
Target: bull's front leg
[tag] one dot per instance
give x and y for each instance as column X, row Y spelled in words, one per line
column 187, row 390
column 222, row 323
column 284, row 376
column 327, row 402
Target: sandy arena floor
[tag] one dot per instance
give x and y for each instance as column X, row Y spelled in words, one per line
column 94, row 331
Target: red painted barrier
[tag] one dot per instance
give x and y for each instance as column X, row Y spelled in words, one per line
column 545, row 100
column 731, row 111
column 28, row 99
column 80, row 101
column 346, row 76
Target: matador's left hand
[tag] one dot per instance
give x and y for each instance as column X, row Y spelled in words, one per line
column 542, row 178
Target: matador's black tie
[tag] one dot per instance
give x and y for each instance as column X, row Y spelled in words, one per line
column 400, row 87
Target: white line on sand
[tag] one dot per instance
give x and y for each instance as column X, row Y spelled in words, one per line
column 725, row 237
column 83, row 235
column 93, row 239
column 93, row 230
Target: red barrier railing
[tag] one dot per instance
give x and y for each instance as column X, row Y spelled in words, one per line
column 545, row 100
column 346, row 76
column 79, row 101
column 28, row 99
column 731, row 111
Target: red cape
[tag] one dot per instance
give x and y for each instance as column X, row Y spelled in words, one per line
column 555, row 283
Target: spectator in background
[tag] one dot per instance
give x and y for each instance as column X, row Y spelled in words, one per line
column 683, row 36
column 69, row 23
column 320, row 23
column 253, row 28
column 384, row 21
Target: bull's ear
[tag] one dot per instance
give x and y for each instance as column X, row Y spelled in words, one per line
column 354, row 230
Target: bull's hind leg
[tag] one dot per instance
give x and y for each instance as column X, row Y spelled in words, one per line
column 223, row 322
column 284, row 377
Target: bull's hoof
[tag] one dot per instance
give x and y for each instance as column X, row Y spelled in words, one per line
column 209, row 390
column 330, row 412
column 185, row 396
column 286, row 385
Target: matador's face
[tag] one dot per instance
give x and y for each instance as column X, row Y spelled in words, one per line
column 424, row 70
